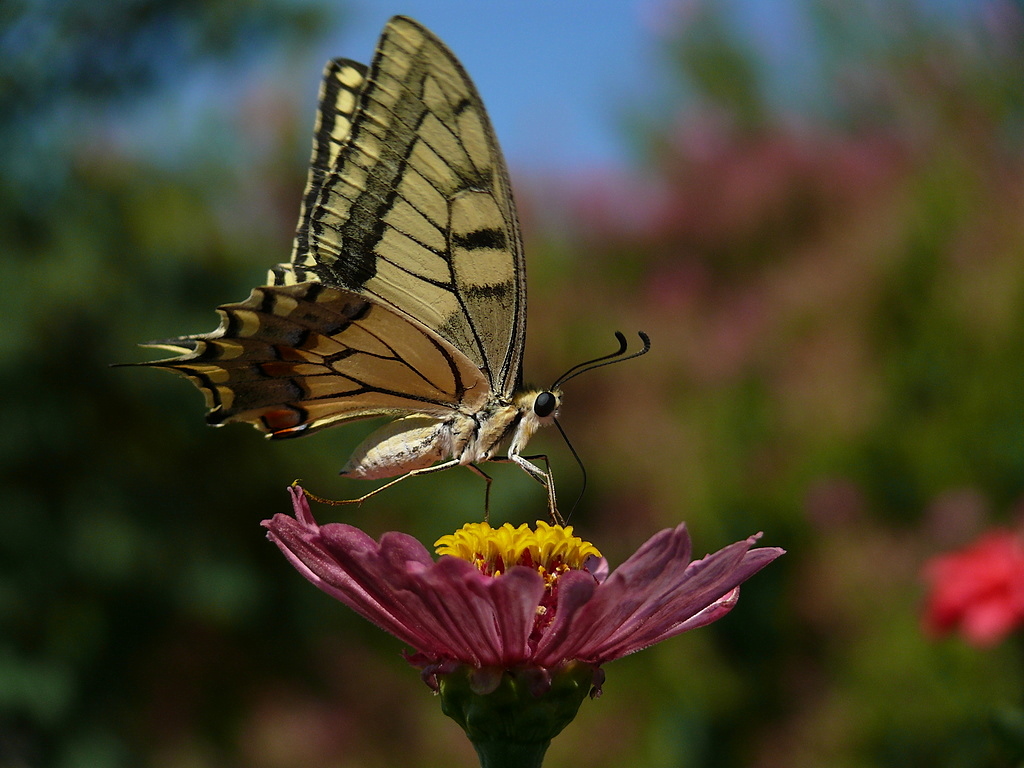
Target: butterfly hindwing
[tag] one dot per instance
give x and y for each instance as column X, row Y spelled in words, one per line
column 409, row 201
column 292, row 359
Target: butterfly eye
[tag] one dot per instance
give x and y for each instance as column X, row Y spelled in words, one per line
column 545, row 404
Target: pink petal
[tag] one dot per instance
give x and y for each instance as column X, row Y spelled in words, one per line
column 575, row 589
column 656, row 594
column 445, row 609
column 302, row 550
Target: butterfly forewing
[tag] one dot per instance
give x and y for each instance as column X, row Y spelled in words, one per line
column 415, row 209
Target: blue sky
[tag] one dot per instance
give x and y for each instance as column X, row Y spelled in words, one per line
column 560, row 78
column 555, row 75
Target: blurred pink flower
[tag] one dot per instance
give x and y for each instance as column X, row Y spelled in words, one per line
column 486, row 612
column 978, row 590
column 718, row 190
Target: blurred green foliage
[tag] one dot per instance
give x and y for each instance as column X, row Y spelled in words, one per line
column 836, row 298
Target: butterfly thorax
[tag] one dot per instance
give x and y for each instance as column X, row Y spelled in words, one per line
column 508, row 426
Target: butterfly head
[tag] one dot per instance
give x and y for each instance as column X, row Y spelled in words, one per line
column 541, row 406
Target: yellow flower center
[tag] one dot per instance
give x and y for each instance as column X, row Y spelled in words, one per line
column 551, row 549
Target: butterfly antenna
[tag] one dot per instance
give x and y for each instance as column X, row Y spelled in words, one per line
column 598, row 362
column 583, row 470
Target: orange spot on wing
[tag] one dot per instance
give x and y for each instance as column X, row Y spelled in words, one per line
column 283, row 420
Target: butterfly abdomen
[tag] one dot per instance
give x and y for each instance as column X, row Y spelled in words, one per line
column 401, row 446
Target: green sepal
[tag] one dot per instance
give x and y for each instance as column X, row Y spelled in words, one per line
column 511, row 715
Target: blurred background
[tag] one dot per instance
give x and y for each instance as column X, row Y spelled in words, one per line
column 813, row 207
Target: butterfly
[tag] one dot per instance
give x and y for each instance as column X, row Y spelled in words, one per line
column 405, row 295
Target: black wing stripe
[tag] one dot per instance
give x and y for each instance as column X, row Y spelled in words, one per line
column 323, row 139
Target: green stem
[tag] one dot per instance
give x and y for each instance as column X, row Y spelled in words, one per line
column 510, row 754
column 511, row 715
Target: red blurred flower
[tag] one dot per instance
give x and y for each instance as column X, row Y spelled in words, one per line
column 978, row 590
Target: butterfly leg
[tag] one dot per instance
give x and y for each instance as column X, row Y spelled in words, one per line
column 542, row 476
column 375, row 491
column 548, row 482
column 487, row 493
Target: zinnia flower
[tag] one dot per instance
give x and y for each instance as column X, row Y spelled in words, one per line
column 512, row 625
column 978, row 590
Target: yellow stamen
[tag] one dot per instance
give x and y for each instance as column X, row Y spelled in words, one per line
column 551, row 549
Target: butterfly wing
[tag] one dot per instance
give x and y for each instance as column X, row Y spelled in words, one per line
column 406, row 290
column 409, row 203
column 293, row 359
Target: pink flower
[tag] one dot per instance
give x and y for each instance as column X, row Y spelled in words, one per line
column 516, row 598
column 978, row 590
